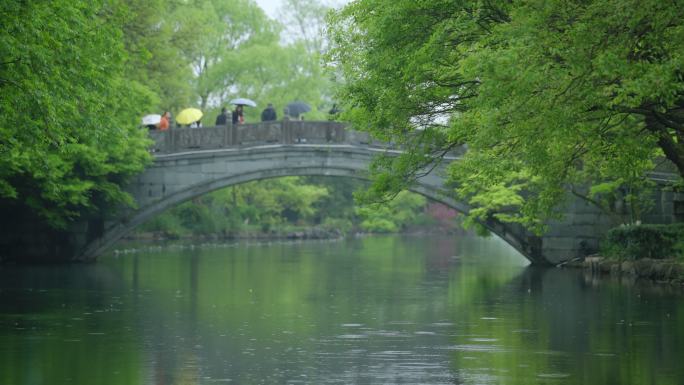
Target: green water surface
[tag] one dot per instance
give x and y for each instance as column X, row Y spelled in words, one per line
column 376, row 310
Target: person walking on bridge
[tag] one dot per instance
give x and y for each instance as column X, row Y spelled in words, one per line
column 222, row 119
column 164, row 121
column 238, row 118
column 269, row 114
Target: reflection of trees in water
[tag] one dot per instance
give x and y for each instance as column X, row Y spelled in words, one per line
column 258, row 315
column 416, row 308
column 550, row 322
column 56, row 318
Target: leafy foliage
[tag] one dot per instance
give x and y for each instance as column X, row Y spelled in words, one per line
column 203, row 53
column 645, row 241
column 268, row 204
column 549, row 96
column 214, row 34
column 394, row 216
column 77, row 75
column 154, row 42
column 67, row 137
column 304, row 21
column 339, row 203
column 286, row 203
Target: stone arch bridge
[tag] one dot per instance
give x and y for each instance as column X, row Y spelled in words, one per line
column 190, row 162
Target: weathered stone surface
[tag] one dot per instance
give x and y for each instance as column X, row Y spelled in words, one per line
column 192, row 162
column 297, row 148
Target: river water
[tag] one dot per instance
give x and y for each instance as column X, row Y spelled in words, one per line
column 376, row 310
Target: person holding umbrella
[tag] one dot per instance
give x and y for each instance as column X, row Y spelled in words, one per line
column 238, row 117
column 295, row 109
column 189, row 116
column 151, row 121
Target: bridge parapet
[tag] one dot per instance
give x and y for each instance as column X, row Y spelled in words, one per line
column 278, row 132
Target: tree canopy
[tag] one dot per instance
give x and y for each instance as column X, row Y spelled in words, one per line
column 548, row 96
column 68, row 112
column 77, row 76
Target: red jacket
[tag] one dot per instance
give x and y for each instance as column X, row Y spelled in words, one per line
column 164, row 123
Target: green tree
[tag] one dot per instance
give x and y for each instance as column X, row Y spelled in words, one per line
column 155, row 56
column 277, row 201
column 396, row 215
column 233, row 49
column 68, row 113
column 304, row 21
column 339, row 203
column 279, row 75
column 212, row 36
column 267, row 204
column 303, row 28
column 549, row 96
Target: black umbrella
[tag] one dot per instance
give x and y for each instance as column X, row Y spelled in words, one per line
column 295, row 109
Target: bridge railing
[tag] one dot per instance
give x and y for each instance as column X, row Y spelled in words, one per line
column 278, row 132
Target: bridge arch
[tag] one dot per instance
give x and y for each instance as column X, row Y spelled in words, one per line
column 176, row 178
column 192, row 162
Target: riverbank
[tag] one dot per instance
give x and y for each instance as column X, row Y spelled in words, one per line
column 288, row 233
column 657, row 270
column 148, row 241
column 306, row 233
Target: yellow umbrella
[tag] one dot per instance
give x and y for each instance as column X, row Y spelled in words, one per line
column 189, row 115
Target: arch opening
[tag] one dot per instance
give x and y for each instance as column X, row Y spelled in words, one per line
column 124, row 226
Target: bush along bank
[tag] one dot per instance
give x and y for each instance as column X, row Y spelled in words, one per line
column 652, row 252
column 313, row 232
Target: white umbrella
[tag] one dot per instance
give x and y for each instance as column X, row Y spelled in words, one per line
column 243, row 102
column 151, row 119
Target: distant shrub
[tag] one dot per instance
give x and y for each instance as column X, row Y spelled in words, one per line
column 645, row 241
column 165, row 224
column 340, row 224
column 379, row 225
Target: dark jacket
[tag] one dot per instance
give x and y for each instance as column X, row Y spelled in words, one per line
column 269, row 114
column 222, row 119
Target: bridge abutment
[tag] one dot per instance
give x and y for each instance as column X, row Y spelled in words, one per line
column 26, row 238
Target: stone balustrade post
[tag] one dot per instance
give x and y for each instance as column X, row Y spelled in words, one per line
column 228, row 134
column 233, row 134
column 171, row 139
column 286, row 131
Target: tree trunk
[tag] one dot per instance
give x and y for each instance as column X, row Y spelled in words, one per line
column 673, row 150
